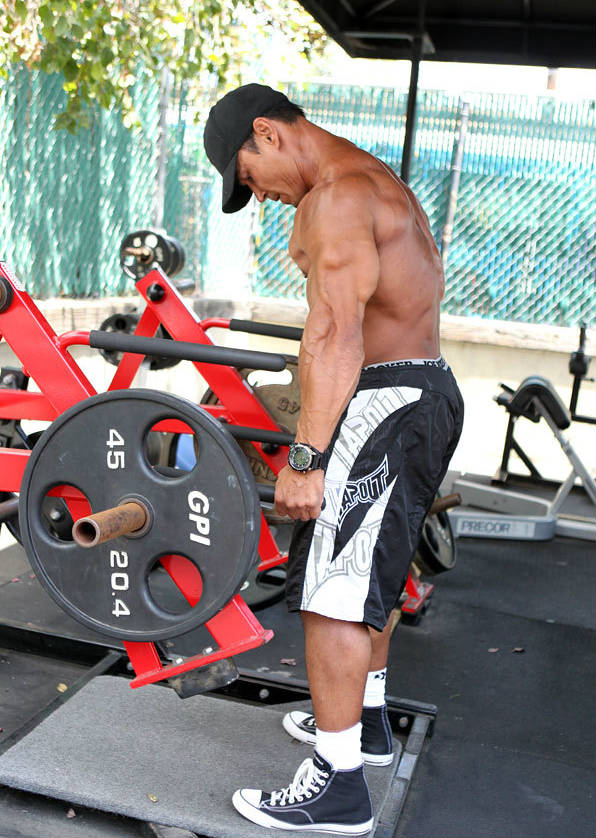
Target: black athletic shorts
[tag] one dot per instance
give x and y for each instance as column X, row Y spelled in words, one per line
column 388, row 456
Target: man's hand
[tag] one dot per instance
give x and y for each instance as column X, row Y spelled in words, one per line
column 299, row 494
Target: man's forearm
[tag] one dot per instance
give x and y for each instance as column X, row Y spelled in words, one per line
column 328, row 378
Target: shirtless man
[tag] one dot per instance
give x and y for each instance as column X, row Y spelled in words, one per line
column 380, row 417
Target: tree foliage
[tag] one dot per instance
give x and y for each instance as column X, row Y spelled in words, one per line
column 101, row 46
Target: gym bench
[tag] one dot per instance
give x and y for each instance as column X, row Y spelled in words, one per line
column 518, row 515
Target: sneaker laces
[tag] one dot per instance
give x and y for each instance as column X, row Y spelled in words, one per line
column 309, row 778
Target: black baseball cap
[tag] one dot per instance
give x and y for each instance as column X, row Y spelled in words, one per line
column 228, row 126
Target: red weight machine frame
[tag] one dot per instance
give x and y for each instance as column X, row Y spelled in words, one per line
column 45, row 358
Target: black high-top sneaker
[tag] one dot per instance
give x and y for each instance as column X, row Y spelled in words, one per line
column 376, row 740
column 319, row 798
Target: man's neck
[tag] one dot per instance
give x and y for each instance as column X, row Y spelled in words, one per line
column 315, row 153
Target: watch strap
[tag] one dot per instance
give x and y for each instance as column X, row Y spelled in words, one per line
column 319, row 458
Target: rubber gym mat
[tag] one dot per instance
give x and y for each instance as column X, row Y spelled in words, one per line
column 28, row 683
column 552, row 581
column 148, row 754
column 512, row 753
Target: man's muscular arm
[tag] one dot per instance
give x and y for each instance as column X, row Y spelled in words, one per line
column 336, row 235
column 338, row 240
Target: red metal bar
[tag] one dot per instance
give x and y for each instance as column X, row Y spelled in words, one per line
column 418, row 592
column 22, row 404
column 12, row 466
column 235, row 629
column 172, row 426
column 268, row 550
column 215, row 323
column 130, row 362
column 30, row 336
column 231, row 623
column 143, row 656
column 185, row 576
column 76, row 338
column 274, row 561
column 218, row 411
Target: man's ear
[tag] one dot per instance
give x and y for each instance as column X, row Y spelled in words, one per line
column 266, row 131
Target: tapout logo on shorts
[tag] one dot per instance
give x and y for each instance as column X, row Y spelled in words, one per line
column 365, row 490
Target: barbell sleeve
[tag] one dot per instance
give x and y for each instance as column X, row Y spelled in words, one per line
column 110, row 523
column 187, row 351
column 446, row 502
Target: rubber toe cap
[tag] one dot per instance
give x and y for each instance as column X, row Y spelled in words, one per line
column 250, row 796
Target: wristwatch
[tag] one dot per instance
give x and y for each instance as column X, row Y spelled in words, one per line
column 303, row 457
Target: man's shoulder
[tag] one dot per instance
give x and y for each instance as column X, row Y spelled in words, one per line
column 345, row 193
column 345, row 185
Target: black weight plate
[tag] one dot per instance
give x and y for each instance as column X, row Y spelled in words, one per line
column 178, row 256
column 126, row 324
column 437, row 547
column 160, row 362
column 161, row 253
column 264, row 588
column 74, row 451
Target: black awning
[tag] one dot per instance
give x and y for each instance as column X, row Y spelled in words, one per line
column 544, row 33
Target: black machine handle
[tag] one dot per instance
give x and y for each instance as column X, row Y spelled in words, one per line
column 582, row 337
column 187, row 351
column 273, row 330
column 579, row 364
column 184, row 286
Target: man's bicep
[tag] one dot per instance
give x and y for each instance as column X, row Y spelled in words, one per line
column 344, row 268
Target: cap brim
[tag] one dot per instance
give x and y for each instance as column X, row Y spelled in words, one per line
column 234, row 195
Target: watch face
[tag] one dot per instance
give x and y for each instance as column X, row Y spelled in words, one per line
column 301, row 457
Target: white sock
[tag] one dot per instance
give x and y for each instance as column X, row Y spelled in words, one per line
column 341, row 748
column 374, row 691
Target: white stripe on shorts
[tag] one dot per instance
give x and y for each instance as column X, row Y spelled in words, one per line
column 339, row 589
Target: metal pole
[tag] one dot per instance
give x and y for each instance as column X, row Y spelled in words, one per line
column 162, row 145
column 456, row 161
column 417, row 47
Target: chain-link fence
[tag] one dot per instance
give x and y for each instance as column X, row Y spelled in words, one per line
column 523, row 244
column 67, row 201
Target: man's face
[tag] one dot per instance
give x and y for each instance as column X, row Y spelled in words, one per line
column 267, row 174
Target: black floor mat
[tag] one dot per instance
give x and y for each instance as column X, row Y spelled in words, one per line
column 28, row 683
column 473, row 789
column 554, row 580
column 537, row 700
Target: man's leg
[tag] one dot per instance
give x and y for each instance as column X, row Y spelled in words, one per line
column 380, row 645
column 346, row 665
column 337, row 660
column 338, row 657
